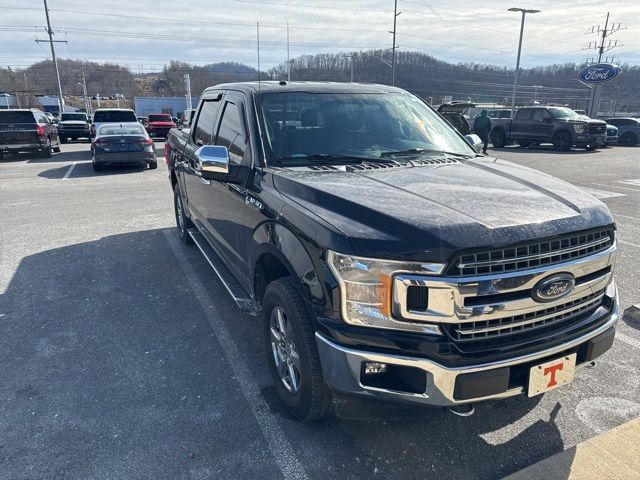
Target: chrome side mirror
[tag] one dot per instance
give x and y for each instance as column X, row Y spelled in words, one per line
column 475, row 141
column 213, row 159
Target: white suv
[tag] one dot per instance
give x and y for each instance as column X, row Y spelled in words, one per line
column 111, row 115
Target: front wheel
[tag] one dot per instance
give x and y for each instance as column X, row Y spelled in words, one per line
column 153, row 165
column 629, row 139
column 182, row 221
column 562, row 142
column 498, row 139
column 292, row 352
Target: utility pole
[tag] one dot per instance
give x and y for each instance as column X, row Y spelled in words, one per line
column 258, row 42
column 53, row 56
column 515, row 77
column 26, row 91
column 594, row 96
column 87, row 104
column 187, row 89
column 393, row 50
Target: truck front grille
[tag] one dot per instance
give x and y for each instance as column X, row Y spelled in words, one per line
column 532, row 255
column 544, row 317
column 597, row 128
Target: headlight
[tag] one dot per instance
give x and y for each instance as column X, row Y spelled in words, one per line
column 366, row 286
column 578, row 127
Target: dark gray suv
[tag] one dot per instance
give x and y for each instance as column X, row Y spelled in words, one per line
column 628, row 130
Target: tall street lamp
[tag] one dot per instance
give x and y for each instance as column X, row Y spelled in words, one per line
column 515, row 78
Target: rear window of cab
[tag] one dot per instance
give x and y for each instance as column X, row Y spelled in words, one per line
column 114, row 116
column 16, row 117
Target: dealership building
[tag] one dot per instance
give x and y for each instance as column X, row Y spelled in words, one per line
column 171, row 105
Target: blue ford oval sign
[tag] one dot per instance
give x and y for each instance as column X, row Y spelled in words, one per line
column 599, row 73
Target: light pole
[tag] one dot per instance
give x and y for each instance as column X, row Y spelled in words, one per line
column 350, row 57
column 515, row 77
column 393, row 53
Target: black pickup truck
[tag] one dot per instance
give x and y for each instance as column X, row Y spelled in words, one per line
column 386, row 257
column 27, row 130
column 560, row 126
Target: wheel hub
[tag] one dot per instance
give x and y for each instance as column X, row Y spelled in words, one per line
column 285, row 355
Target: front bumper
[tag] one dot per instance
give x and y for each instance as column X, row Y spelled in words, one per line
column 590, row 139
column 21, row 146
column 434, row 384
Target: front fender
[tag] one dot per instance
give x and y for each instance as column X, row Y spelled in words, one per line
column 297, row 256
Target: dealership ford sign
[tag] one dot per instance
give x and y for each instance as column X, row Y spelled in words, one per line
column 599, row 73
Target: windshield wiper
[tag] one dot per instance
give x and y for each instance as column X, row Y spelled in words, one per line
column 419, row 151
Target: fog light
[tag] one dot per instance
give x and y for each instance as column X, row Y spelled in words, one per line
column 374, row 368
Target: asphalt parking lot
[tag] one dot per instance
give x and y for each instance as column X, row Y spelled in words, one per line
column 123, row 358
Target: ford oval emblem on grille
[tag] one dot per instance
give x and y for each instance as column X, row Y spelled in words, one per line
column 553, row 288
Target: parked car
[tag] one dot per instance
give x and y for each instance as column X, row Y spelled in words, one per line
column 122, row 143
column 27, row 130
column 628, row 130
column 454, row 112
column 385, row 257
column 558, row 125
column 74, row 125
column 111, row 115
column 612, row 135
column 159, row 125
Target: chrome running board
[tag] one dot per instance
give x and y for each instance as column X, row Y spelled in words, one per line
column 244, row 302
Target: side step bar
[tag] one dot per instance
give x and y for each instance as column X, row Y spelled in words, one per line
column 238, row 294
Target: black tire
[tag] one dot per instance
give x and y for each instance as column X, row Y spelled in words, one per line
column 629, row 139
column 498, row 138
column 1, row 155
column 182, row 221
column 562, row 142
column 312, row 399
column 524, row 144
column 47, row 152
column 97, row 167
column 153, row 165
column 56, row 149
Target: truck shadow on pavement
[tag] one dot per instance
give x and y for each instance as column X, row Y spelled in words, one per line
column 111, row 369
column 85, row 169
column 63, row 156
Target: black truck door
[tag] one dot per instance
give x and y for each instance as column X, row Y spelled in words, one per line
column 196, row 189
column 225, row 208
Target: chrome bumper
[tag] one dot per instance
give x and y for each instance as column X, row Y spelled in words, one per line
column 341, row 368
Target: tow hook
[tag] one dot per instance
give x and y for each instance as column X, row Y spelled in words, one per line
column 463, row 410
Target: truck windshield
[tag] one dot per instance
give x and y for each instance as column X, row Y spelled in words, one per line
column 296, row 125
column 562, row 112
column 73, row 116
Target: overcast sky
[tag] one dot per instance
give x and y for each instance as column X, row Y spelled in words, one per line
column 145, row 34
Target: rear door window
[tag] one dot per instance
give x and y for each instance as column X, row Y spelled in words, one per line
column 16, row 117
column 539, row 115
column 114, row 116
column 524, row 115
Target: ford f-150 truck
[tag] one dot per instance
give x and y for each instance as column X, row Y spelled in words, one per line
column 558, row 125
column 386, row 258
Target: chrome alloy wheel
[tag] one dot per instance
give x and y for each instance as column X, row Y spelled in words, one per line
column 284, row 350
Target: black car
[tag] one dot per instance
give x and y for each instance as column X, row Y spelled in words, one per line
column 386, row 259
column 123, row 144
column 73, row 126
column 27, row 130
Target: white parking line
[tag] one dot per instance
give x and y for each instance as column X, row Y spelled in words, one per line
column 280, row 447
column 66, row 175
column 626, row 216
column 633, row 181
column 602, row 193
column 629, row 243
column 616, row 186
column 628, row 340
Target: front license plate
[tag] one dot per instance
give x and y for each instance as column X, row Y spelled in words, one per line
column 552, row 374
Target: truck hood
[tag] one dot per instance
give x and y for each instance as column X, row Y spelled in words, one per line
column 427, row 213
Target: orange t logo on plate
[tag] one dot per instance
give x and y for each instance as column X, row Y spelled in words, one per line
column 552, row 370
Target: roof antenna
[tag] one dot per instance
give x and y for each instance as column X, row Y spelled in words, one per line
column 258, row 38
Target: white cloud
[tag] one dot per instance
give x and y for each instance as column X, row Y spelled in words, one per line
column 202, row 31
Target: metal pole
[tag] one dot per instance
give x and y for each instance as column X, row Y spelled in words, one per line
column 53, row 56
column 26, row 91
column 515, row 77
column 288, row 61
column 393, row 51
column 87, row 105
column 351, row 58
column 258, row 41
column 594, row 98
column 187, row 86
